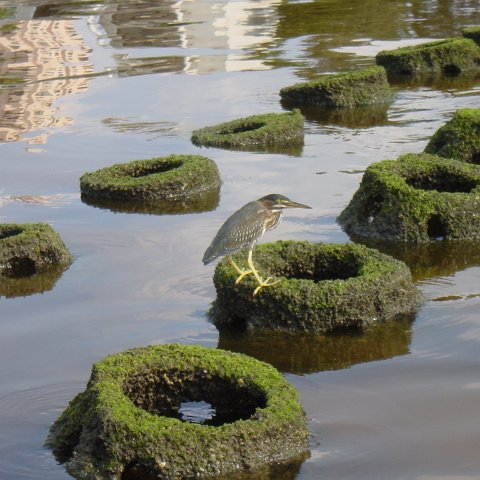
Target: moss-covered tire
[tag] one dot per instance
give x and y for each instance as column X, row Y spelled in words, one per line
column 128, row 416
column 30, row 248
column 322, row 287
column 451, row 57
column 472, row 33
column 264, row 130
column 417, row 198
column 174, row 176
column 459, row 138
column 367, row 86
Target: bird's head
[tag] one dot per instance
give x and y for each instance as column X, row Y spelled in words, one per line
column 277, row 202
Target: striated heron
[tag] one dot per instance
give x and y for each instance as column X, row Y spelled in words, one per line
column 244, row 228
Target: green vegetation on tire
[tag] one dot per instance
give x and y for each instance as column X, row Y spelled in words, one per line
column 473, row 33
column 30, row 248
column 129, row 416
column 256, row 131
column 367, row 86
column 459, row 138
column 323, row 287
column 161, row 178
column 417, row 198
column 449, row 57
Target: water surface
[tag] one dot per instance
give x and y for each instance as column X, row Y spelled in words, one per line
column 84, row 85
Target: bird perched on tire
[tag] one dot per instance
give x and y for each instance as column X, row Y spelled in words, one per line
column 244, row 228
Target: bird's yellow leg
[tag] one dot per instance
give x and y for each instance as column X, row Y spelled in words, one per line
column 261, row 283
column 242, row 271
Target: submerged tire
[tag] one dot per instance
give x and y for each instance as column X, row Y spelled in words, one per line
column 417, row 198
column 322, row 287
column 367, row 86
column 161, row 178
column 450, row 57
column 264, row 130
column 29, row 248
column 459, row 138
column 128, row 416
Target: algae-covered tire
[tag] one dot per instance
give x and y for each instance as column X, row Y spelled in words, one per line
column 30, row 248
column 473, row 33
column 459, row 138
column 417, row 198
column 129, row 416
column 322, row 287
column 452, row 56
column 367, row 86
column 159, row 178
column 263, row 130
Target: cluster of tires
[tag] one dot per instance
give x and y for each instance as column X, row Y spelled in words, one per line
column 131, row 405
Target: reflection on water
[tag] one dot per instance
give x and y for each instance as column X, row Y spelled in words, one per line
column 202, row 202
column 304, row 353
column 23, row 286
column 280, row 471
column 45, row 56
column 356, row 117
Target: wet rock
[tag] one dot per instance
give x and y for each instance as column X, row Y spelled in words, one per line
column 417, row 198
column 449, row 57
column 264, row 130
column 459, row 138
column 128, row 417
column 348, row 89
column 162, row 178
column 322, row 288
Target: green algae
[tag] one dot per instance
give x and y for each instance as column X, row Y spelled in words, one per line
column 459, row 138
column 126, row 416
column 417, row 198
column 473, row 33
column 449, row 57
column 365, row 86
column 281, row 130
column 322, row 288
column 161, row 178
column 29, row 248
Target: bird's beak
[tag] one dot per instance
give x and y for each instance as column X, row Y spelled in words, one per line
column 291, row 204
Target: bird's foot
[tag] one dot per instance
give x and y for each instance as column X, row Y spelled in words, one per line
column 264, row 283
column 243, row 273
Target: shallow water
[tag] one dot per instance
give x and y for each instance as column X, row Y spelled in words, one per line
column 85, row 85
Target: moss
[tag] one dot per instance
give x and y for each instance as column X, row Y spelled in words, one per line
column 348, row 89
column 473, row 33
column 323, row 287
column 127, row 415
column 459, row 138
column 452, row 57
column 417, row 198
column 162, row 178
column 28, row 249
column 256, row 131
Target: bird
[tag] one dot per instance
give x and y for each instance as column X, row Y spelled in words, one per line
column 243, row 229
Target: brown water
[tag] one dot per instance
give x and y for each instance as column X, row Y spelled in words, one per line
column 86, row 85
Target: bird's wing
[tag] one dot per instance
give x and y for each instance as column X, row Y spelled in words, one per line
column 243, row 228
